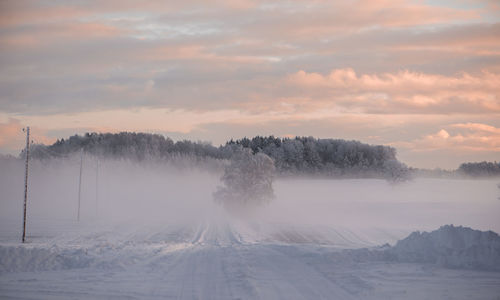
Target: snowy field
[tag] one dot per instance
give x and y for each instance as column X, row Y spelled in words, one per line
column 153, row 234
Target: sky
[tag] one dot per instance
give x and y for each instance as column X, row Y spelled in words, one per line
column 421, row 76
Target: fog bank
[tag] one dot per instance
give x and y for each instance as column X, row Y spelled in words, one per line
column 137, row 194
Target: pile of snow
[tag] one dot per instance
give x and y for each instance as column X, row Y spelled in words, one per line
column 24, row 259
column 451, row 247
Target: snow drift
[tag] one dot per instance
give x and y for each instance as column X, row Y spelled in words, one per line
column 451, row 247
column 28, row 259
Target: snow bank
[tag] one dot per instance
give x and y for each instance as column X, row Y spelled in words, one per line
column 451, row 247
column 23, row 259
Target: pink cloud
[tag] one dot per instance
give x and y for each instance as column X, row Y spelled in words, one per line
column 12, row 137
column 304, row 20
column 478, row 127
column 9, row 132
column 14, row 13
column 461, row 137
column 44, row 35
column 404, row 91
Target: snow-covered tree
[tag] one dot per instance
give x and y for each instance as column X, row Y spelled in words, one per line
column 480, row 169
column 396, row 172
column 247, row 181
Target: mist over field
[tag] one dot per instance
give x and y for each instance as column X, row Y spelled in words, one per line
column 149, row 191
column 125, row 189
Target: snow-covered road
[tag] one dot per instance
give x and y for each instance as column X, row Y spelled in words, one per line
column 218, row 260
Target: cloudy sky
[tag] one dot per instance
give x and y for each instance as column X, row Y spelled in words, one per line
column 422, row 76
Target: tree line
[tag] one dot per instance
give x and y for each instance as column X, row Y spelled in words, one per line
column 334, row 157
column 480, row 169
column 299, row 155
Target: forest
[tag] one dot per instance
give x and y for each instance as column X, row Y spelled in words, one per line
column 291, row 156
column 480, row 169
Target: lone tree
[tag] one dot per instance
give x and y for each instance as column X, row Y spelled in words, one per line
column 396, row 172
column 247, row 181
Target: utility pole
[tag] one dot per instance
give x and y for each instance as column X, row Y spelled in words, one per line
column 97, row 188
column 26, row 180
column 80, row 185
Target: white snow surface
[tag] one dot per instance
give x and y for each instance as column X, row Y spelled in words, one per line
column 217, row 260
column 319, row 239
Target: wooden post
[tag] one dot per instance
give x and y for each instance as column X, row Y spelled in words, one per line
column 26, row 181
column 80, row 186
column 97, row 188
